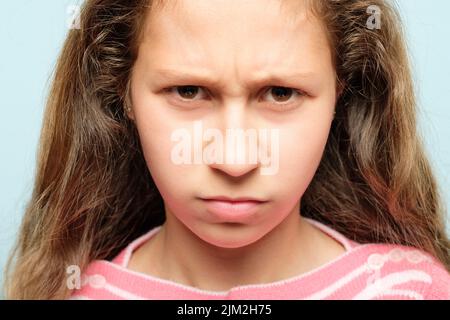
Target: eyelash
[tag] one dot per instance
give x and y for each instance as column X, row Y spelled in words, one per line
column 281, row 106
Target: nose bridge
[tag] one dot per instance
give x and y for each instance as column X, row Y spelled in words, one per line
column 240, row 140
column 234, row 113
column 234, row 120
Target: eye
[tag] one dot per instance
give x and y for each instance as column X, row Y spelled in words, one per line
column 186, row 92
column 282, row 95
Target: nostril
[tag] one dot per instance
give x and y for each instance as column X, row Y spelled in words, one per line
column 235, row 170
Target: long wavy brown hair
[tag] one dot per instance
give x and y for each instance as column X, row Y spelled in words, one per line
column 93, row 192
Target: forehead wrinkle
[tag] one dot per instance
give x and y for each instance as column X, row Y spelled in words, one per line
column 192, row 76
column 297, row 14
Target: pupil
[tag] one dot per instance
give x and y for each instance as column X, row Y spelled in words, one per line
column 188, row 91
column 281, row 91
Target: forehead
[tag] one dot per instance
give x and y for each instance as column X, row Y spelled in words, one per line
column 287, row 8
column 251, row 32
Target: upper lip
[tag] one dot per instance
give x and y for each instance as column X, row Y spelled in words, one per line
column 231, row 199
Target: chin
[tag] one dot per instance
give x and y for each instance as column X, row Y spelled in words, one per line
column 230, row 235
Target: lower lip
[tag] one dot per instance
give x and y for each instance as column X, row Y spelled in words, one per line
column 237, row 212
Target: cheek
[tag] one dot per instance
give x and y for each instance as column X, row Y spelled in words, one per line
column 155, row 129
column 301, row 149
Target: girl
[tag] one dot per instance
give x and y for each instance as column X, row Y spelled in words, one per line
column 350, row 211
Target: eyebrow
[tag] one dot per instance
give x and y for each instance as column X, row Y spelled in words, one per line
column 203, row 78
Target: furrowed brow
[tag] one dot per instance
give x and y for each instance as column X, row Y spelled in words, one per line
column 197, row 77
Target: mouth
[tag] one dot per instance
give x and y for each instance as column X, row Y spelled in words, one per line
column 233, row 200
column 237, row 210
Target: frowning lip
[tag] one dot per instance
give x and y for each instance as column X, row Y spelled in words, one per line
column 236, row 210
column 233, row 199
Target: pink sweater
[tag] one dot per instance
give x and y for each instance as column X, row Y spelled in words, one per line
column 364, row 271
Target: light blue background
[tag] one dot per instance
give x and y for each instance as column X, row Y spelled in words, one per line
column 31, row 35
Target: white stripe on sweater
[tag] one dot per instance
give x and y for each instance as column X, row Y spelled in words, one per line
column 122, row 293
column 338, row 284
column 407, row 293
column 386, row 283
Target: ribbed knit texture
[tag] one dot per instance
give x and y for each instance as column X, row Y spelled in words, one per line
column 364, row 271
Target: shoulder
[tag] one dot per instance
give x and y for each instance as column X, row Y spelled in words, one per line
column 399, row 270
column 95, row 281
column 93, row 277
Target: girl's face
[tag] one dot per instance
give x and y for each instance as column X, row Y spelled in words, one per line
column 257, row 65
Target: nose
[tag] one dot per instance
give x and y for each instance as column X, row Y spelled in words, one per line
column 240, row 142
column 234, row 170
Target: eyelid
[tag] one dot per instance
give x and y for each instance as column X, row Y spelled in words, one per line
column 265, row 90
column 170, row 89
column 298, row 92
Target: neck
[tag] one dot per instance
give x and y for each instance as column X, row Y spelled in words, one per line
column 294, row 246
